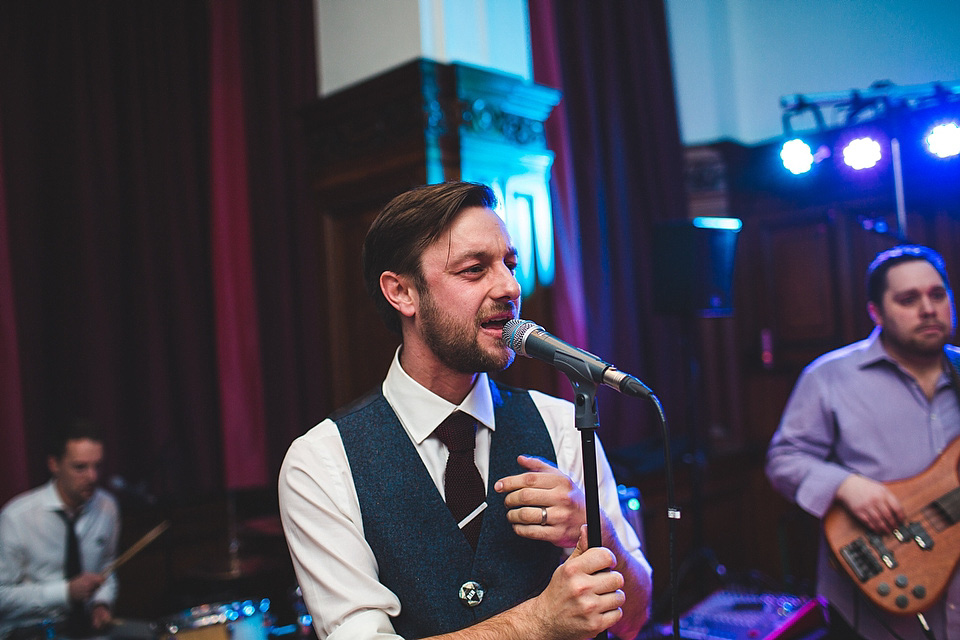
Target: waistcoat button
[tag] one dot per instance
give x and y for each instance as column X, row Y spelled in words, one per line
column 471, row 593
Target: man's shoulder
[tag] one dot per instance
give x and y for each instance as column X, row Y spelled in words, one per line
column 848, row 355
column 356, row 406
column 23, row 502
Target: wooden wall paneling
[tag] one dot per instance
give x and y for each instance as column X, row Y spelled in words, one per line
column 357, row 335
column 800, row 279
column 367, row 144
column 722, row 387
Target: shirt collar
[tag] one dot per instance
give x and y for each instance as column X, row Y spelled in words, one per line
column 421, row 411
column 873, row 350
column 50, row 498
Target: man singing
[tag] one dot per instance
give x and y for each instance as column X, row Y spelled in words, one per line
column 444, row 504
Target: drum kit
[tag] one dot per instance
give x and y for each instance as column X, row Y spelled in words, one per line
column 238, row 620
column 241, row 620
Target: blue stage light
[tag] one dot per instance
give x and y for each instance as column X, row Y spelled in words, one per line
column 717, row 222
column 862, row 153
column 796, row 156
column 943, row 140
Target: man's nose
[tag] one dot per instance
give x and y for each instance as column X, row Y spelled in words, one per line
column 507, row 285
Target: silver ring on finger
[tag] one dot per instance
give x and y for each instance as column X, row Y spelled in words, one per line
column 543, row 516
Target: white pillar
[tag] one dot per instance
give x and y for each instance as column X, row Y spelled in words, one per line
column 357, row 39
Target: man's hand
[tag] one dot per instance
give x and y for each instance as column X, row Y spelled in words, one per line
column 543, row 486
column 584, row 596
column 871, row 502
column 100, row 616
column 83, row 586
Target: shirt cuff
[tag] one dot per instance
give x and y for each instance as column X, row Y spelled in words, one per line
column 818, row 490
column 56, row 593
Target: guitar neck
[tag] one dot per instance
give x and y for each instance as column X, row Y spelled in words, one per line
column 949, row 506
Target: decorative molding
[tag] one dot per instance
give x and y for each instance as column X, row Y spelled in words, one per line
column 482, row 118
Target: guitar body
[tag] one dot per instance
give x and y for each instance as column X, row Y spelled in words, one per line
column 905, row 576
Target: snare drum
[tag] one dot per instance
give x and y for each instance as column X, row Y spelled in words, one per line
column 241, row 620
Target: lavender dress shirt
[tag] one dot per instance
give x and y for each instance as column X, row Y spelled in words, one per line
column 854, row 410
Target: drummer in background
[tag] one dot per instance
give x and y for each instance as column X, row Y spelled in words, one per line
column 56, row 539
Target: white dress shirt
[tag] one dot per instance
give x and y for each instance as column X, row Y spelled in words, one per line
column 336, row 569
column 33, row 550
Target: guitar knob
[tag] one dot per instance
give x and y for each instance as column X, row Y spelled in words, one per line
column 883, row 589
column 919, row 592
column 902, row 581
column 902, row 601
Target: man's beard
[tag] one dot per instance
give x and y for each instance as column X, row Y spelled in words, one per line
column 456, row 345
column 917, row 346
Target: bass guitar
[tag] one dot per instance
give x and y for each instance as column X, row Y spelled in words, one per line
column 903, row 572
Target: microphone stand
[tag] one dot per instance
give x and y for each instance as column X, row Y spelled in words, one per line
column 581, row 375
column 587, row 420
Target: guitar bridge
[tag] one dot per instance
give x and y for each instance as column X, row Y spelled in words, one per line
column 861, row 560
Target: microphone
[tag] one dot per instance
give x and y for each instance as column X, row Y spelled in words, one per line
column 531, row 340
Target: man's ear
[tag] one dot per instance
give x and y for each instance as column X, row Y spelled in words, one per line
column 53, row 464
column 875, row 314
column 400, row 293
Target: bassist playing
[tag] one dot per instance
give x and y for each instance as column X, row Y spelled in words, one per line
column 868, row 415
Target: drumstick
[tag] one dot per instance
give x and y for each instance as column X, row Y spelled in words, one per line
column 135, row 548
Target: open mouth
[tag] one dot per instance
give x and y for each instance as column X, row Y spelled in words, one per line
column 496, row 324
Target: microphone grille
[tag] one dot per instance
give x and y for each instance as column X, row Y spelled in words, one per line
column 514, row 331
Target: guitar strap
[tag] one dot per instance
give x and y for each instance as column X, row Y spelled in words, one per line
column 953, row 369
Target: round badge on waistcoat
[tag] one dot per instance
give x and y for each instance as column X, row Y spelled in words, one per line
column 471, row 593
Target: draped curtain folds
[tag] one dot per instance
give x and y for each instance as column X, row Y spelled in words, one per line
column 619, row 170
column 235, row 305
column 133, row 232
column 13, row 469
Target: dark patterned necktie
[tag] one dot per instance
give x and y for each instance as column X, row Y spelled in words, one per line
column 462, row 483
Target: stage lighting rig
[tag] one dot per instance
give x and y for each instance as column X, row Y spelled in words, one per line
column 864, row 129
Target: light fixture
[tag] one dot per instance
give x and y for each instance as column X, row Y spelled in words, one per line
column 943, row 140
column 796, row 155
column 862, row 153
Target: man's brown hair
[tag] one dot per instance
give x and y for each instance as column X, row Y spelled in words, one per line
column 406, row 227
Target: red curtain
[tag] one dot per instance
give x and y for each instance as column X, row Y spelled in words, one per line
column 619, row 169
column 135, row 239
column 235, row 304
column 569, row 299
column 13, row 469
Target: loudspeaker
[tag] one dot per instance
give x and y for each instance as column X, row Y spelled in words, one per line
column 693, row 269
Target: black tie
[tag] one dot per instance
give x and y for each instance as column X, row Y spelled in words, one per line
column 76, row 620
column 462, row 483
column 71, row 563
